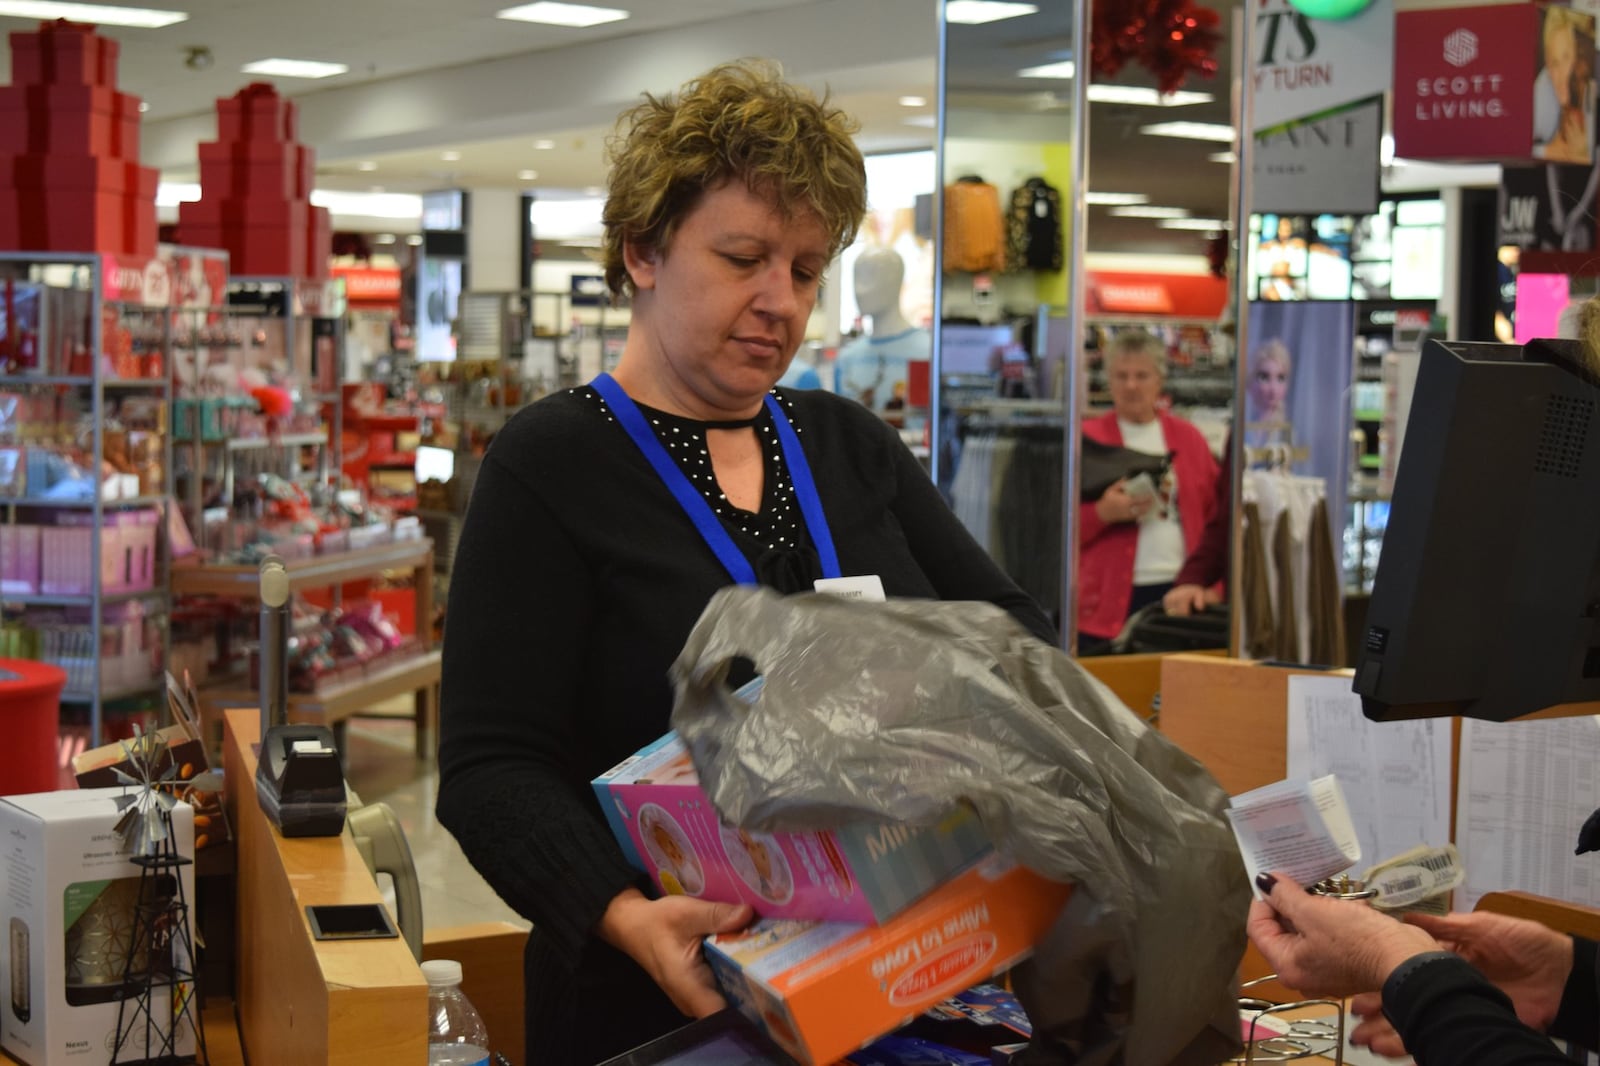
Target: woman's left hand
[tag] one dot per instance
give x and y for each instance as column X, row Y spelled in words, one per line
column 1328, row 947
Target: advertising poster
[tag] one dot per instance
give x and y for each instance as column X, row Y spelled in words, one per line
column 1564, row 88
column 1548, row 208
column 1306, row 66
column 1328, row 164
column 1301, row 361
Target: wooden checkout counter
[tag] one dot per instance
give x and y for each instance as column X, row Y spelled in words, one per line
column 346, row 1003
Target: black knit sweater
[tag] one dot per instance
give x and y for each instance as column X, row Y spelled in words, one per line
column 576, row 580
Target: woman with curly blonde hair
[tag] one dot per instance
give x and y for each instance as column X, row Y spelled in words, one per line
column 605, row 517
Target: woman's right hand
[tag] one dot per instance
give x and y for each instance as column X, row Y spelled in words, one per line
column 663, row 936
column 1182, row 600
column 1115, row 505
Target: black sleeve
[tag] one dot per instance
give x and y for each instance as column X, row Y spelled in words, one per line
column 1448, row 1014
column 956, row 563
column 1578, row 1020
column 520, row 613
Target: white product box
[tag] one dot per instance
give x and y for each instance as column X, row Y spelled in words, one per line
column 68, row 894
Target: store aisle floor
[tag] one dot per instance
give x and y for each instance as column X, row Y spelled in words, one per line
column 382, row 766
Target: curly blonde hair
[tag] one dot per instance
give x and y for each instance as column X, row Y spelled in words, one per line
column 738, row 121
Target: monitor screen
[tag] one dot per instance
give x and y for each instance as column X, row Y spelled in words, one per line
column 722, row 1039
column 1487, row 597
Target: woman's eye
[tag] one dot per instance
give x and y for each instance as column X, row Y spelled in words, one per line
column 742, row 261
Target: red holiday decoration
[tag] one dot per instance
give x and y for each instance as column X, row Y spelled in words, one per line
column 70, row 179
column 1170, row 38
column 255, row 191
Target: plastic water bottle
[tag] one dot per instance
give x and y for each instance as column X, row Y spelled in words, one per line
column 456, row 1036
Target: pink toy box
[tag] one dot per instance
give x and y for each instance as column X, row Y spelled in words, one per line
column 859, row 873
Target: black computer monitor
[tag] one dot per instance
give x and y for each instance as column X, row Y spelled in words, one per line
column 1486, row 602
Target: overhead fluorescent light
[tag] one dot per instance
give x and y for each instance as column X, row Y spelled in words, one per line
column 1194, row 131
column 1144, row 96
column 1149, row 211
column 144, row 106
column 367, row 164
column 173, row 193
column 977, row 12
column 527, row 175
column 99, row 14
column 913, row 101
column 594, row 190
column 1207, row 224
column 926, row 122
column 294, row 68
column 414, row 240
column 383, row 238
column 544, row 144
column 450, row 156
column 1115, row 198
column 551, row 14
column 397, row 205
column 1222, row 157
column 1064, row 71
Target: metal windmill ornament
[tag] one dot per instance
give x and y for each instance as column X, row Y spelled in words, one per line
column 147, row 813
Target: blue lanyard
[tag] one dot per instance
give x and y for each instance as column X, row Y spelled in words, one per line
column 695, row 506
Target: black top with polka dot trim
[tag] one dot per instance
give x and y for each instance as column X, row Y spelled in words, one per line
column 779, row 526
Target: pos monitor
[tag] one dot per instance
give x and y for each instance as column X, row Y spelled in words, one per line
column 1487, row 597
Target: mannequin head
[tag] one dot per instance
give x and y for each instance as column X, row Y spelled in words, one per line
column 879, row 273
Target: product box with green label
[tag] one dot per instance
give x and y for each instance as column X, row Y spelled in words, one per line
column 68, row 899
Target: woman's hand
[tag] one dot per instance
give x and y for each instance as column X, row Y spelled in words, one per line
column 1183, row 600
column 1527, row 961
column 1115, row 505
column 663, row 936
column 1328, row 947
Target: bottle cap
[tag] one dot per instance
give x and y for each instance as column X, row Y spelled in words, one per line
column 441, row 972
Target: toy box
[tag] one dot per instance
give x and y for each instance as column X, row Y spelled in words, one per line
column 821, row 990
column 67, row 898
column 858, row 873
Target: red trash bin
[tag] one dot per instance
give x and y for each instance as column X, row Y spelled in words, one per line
column 30, row 720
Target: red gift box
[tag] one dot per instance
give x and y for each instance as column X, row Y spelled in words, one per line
column 73, row 119
column 69, row 220
column 257, row 113
column 39, row 174
column 63, row 53
column 319, row 246
column 141, row 226
column 230, row 214
column 126, row 121
column 230, row 179
column 252, row 250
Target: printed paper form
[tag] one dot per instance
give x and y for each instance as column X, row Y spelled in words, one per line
column 1301, row 828
column 1526, row 788
column 1396, row 775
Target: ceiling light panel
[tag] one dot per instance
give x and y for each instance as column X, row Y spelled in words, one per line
column 1205, row 224
column 1062, row 71
column 1149, row 211
column 294, row 68
column 574, row 15
column 1194, row 131
column 1143, row 96
column 913, row 101
column 1222, row 157
column 98, row 14
column 977, row 12
column 1117, row 199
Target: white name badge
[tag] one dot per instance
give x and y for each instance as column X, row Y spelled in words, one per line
column 867, row 587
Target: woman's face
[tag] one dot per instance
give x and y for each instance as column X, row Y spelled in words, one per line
column 1560, row 53
column 1269, row 387
column 719, row 314
column 1135, row 386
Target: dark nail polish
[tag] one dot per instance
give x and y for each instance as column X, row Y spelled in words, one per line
column 1265, row 882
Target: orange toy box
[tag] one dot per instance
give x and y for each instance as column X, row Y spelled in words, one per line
column 823, row 989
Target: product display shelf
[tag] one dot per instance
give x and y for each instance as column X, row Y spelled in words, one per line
column 339, row 700
column 84, row 349
column 280, row 331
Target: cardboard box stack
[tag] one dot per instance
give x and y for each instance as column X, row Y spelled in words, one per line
column 70, row 179
column 255, row 191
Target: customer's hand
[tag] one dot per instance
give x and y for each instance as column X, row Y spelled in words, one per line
column 1183, row 600
column 663, row 936
column 1116, row 505
column 1328, row 947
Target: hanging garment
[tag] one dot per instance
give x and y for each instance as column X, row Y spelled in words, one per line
column 1328, row 646
column 1286, row 642
column 1255, row 598
column 974, row 230
column 1033, row 227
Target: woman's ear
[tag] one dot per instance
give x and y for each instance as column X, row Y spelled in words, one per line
column 640, row 260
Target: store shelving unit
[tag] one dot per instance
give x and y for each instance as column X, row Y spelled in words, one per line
column 84, row 351
column 337, row 701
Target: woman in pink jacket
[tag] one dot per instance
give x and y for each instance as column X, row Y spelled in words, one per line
column 1133, row 539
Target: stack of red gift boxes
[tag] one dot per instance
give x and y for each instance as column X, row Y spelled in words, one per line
column 255, row 188
column 70, row 179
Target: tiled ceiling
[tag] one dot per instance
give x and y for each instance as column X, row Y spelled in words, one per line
column 427, row 77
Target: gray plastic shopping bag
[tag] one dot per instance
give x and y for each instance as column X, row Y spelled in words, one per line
column 900, row 711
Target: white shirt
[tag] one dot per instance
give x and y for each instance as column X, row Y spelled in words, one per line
column 1161, row 549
